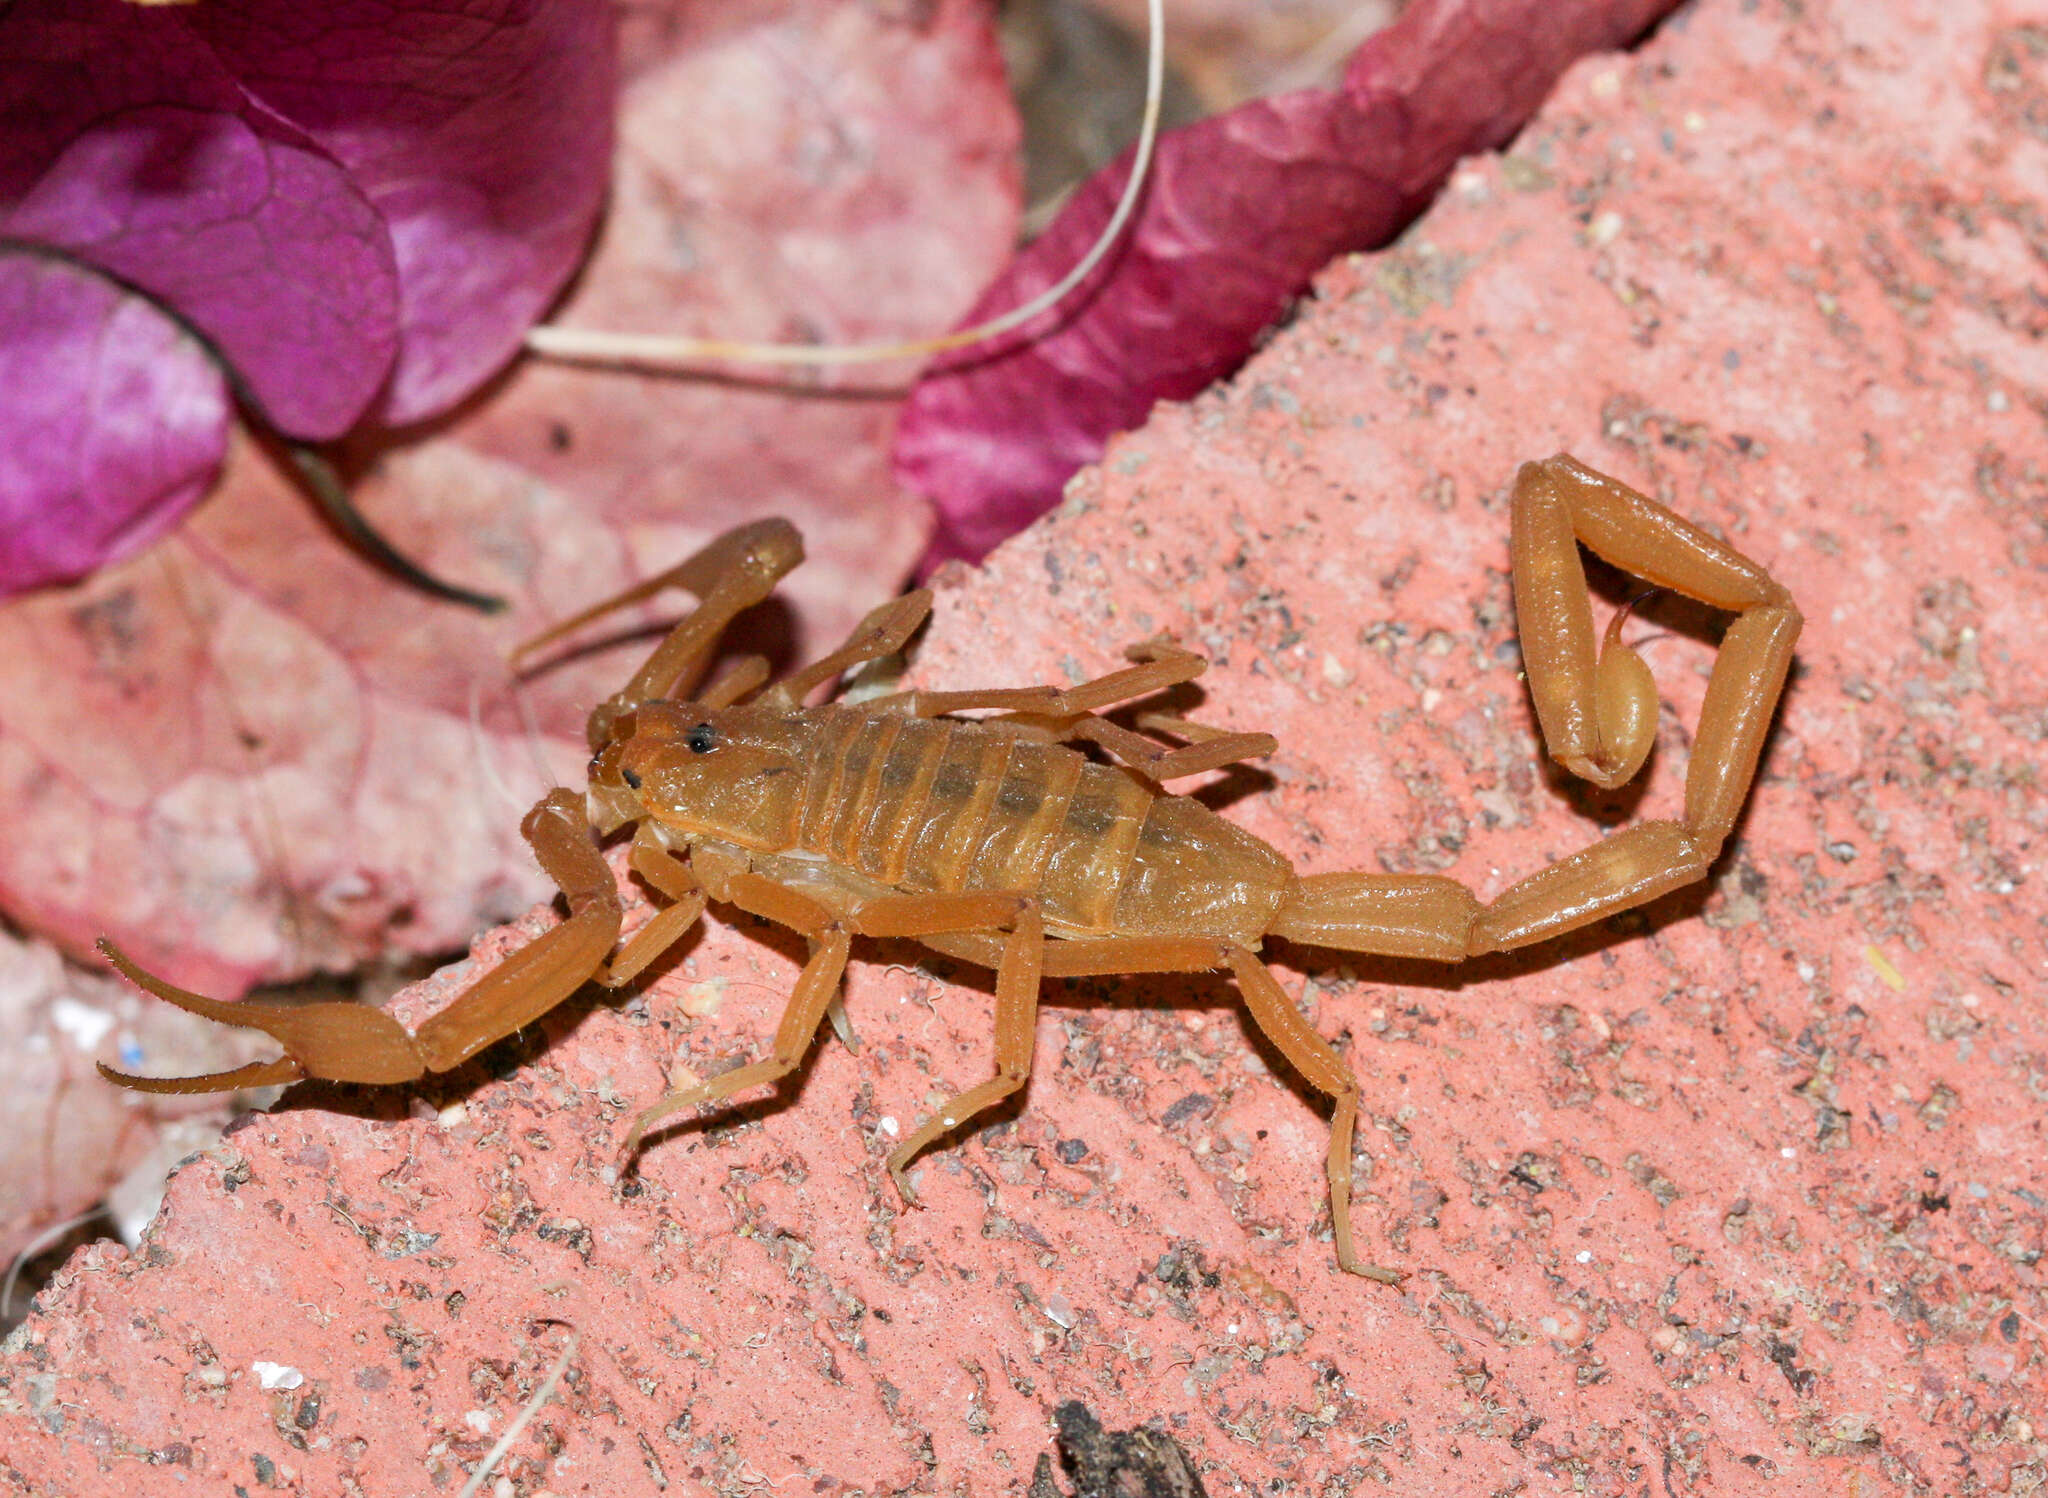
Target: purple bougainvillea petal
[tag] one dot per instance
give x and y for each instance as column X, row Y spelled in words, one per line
column 1242, row 208
column 126, row 144
column 481, row 134
column 265, row 247
column 361, row 205
column 114, row 422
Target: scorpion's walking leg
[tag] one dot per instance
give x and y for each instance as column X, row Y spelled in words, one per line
column 815, row 987
column 1326, row 1071
column 1070, row 713
column 653, row 862
column 733, row 573
column 1017, row 982
column 818, row 984
column 883, row 631
column 1270, row 1008
column 356, row 1043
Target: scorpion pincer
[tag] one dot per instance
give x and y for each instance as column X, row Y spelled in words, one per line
column 1003, row 841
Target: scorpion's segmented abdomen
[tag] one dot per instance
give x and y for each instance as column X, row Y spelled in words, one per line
column 943, row 805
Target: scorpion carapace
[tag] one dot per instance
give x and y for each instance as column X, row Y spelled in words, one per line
column 1000, row 841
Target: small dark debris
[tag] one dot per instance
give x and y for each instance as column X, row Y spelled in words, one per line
column 308, row 1414
column 1785, row 1355
column 1194, row 1105
column 1175, row 1269
column 1071, row 1151
column 266, row 1470
column 570, row 1233
column 1140, row 1463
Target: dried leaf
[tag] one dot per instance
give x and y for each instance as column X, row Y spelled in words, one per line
column 74, row 1138
column 1242, row 208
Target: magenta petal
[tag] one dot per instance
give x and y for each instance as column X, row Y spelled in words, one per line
column 125, row 143
column 264, row 247
column 1241, row 210
column 363, row 204
column 115, row 421
column 481, row 134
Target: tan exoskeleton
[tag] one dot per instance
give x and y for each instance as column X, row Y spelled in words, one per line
column 994, row 841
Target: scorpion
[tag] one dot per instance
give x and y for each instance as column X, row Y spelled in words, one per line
column 1003, row 841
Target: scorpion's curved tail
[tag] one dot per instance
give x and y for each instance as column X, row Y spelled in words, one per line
column 1598, row 712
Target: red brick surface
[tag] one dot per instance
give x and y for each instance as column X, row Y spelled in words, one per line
column 1743, row 1194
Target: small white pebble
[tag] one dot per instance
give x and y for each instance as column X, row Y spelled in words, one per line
column 887, row 1125
column 86, row 1025
column 1789, row 1153
column 1606, row 85
column 702, row 1000
column 453, row 1116
column 1059, row 1312
column 1584, row 1256
column 277, row 1375
column 478, row 1421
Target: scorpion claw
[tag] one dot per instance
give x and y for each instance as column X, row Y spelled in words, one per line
column 255, row 1074
column 340, row 1042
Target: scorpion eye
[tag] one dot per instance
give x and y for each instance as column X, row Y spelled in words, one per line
column 701, row 739
column 630, row 777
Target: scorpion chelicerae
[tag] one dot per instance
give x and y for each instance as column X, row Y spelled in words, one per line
column 996, row 841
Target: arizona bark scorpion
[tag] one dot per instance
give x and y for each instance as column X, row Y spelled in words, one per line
column 994, row 841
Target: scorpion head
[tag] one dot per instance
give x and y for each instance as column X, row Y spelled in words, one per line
column 731, row 774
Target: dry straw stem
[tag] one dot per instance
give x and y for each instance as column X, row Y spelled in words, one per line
column 661, row 352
